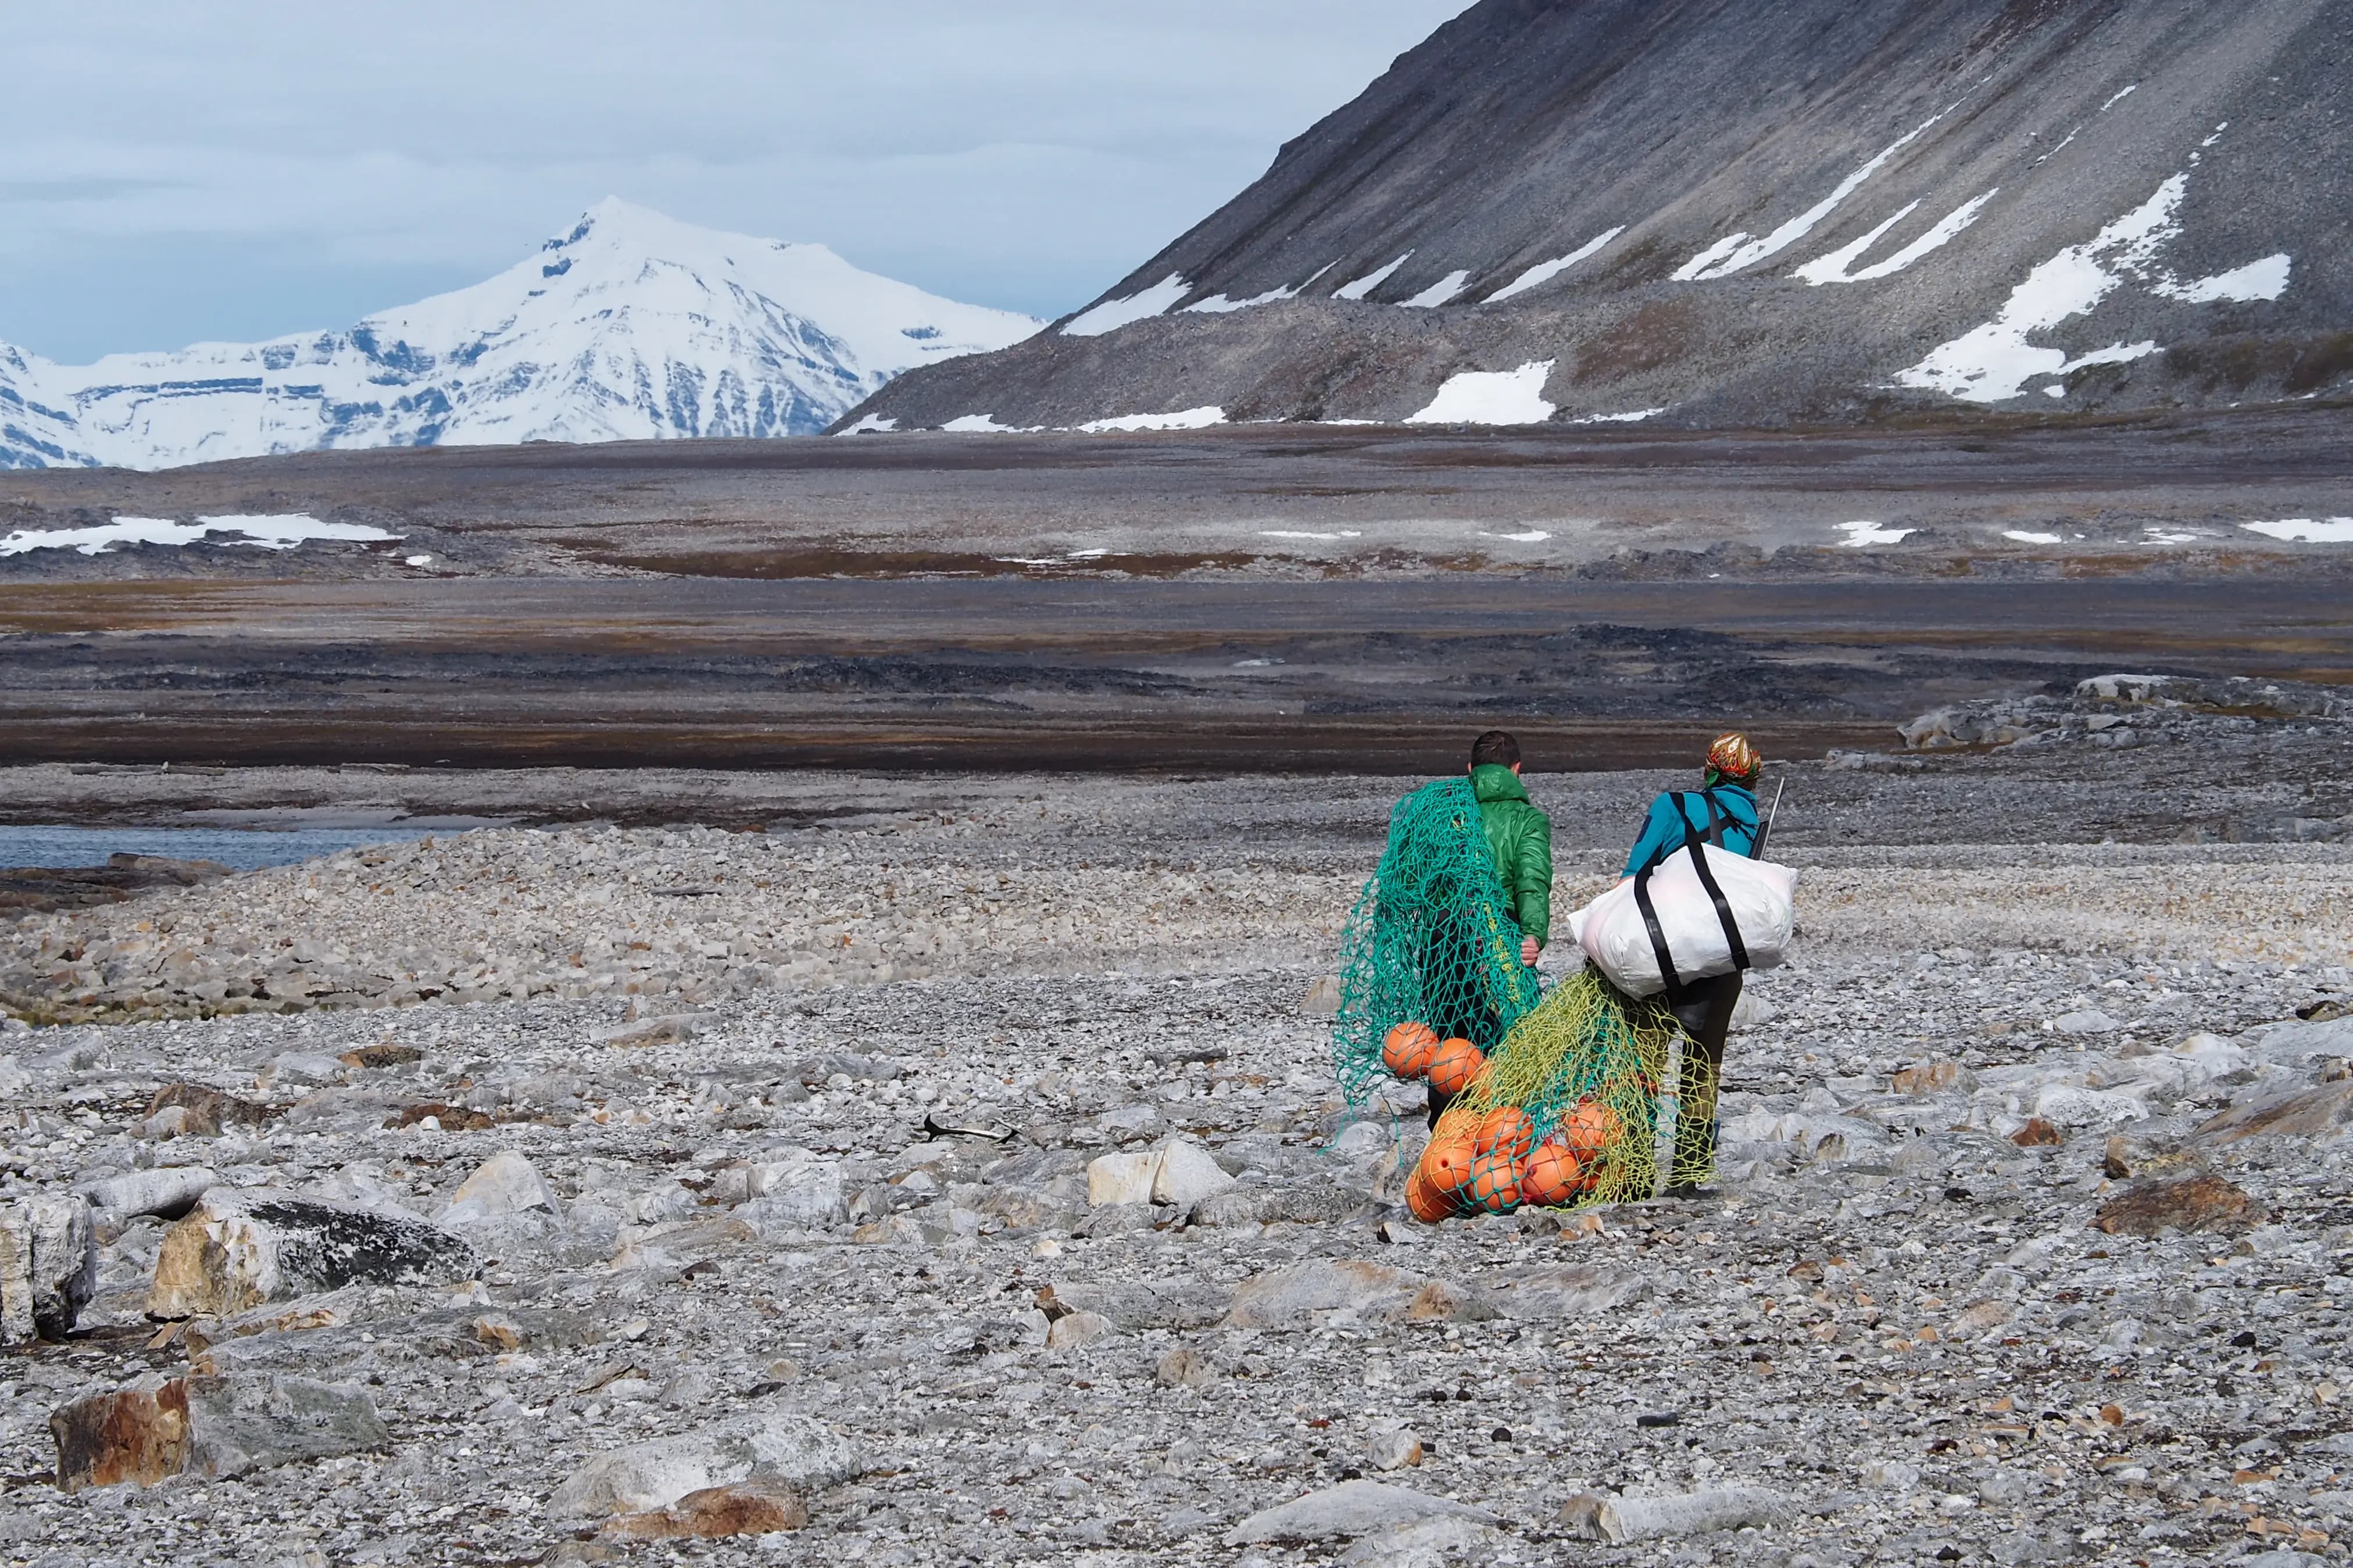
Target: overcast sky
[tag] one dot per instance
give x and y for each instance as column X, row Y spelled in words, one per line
column 178, row 170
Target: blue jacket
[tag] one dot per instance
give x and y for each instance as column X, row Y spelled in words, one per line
column 1675, row 814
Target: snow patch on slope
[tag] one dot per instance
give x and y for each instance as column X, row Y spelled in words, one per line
column 1492, row 397
column 1218, row 305
column 1996, row 361
column 1183, row 419
column 1544, row 272
column 1838, row 267
column 265, row 532
column 1370, row 280
column 1113, row 314
column 1738, row 252
column 982, row 425
column 2305, row 529
column 1860, row 535
column 1439, row 292
column 2263, row 279
column 1631, row 416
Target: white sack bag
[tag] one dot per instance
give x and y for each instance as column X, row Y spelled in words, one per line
column 1760, row 895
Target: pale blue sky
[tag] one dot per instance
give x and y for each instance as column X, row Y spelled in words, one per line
column 179, row 170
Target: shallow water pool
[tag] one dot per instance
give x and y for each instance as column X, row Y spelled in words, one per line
column 240, row 849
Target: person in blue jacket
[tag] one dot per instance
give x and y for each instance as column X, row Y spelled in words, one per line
column 1721, row 812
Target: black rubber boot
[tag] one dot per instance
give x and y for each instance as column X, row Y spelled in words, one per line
column 1694, row 1161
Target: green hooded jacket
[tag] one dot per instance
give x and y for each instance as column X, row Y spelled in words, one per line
column 1520, row 838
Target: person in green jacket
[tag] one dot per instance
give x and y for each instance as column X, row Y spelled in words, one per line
column 1520, row 838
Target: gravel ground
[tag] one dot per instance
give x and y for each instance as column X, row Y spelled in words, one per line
column 1889, row 1335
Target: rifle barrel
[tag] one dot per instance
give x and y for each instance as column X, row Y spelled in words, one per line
column 1765, row 837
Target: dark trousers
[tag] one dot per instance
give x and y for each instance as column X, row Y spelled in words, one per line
column 1703, row 1007
column 1456, row 994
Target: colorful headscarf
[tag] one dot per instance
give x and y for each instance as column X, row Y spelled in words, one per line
column 1733, row 757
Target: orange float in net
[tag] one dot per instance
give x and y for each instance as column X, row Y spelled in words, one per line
column 1506, row 1127
column 1495, row 1181
column 1454, row 1064
column 1550, row 1176
column 1589, row 1130
column 1446, row 1163
column 1408, row 1049
column 1426, row 1202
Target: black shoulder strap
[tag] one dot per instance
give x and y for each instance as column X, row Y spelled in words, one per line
column 1651, row 922
column 1722, row 907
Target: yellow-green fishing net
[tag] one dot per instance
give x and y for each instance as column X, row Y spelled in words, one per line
column 1583, row 1070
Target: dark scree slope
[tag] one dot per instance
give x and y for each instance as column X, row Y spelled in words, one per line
column 1733, row 212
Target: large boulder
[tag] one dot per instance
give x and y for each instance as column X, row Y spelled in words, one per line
column 2200, row 1203
column 1351, row 1289
column 209, row 1427
column 1181, row 1174
column 1575, row 1290
column 788, row 1450
column 166, row 1191
column 1350, row 1509
column 502, row 1187
column 793, row 1190
column 1596, row 1517
column 48, row 1266
column 238, row 1248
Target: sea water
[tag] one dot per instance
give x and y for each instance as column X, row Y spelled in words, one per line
column 238, row 848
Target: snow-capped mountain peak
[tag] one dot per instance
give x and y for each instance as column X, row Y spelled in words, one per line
column 628, row 325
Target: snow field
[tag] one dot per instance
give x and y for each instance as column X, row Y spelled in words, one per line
column 1860, row 535
column 2305, row 529
column 264, row 532
column 1492, row 397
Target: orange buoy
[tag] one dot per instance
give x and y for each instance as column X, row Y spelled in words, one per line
column 1589, row 1130
column 1550, row 1175
column 1495, row 1181
column 1454, row 1064
column 1506, row 1127
column 1406, row 1049
column 1446, row 1163
column 1426, row 1202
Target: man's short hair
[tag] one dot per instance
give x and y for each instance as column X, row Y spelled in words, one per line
column 1496, row 746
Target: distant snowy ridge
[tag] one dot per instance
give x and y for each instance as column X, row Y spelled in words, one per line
column 630, row 326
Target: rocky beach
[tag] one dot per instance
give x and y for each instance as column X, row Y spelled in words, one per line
column 691, row 904
column 955, row 1173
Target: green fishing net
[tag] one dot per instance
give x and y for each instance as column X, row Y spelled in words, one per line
column 1581, row 1076
column 1431, row 939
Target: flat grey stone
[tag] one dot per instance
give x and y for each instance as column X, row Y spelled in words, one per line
column 1350, row 1509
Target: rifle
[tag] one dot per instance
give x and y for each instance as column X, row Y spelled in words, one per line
column 1756, row 850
